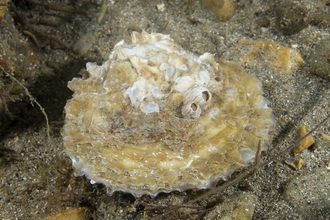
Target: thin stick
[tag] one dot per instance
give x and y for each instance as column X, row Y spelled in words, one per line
column 164, row 27
column 256, row 161
column 29, row 33
column 254, row 168
column 31, row 28
column 32, row 99
column 45, row 35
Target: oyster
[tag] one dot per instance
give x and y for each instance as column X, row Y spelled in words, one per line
column 156, row 118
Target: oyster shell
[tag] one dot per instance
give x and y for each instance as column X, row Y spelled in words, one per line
column 156, row 118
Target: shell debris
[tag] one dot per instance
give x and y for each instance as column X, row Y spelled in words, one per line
column 156, row 118
column 304, row 144
column 295, row 164
column 161, row 7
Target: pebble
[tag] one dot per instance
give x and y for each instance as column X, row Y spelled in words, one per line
column 263, row 22
column 320, row 59
column 309, row 194
column 240, row 207
column 223, row 9
column 291, row 18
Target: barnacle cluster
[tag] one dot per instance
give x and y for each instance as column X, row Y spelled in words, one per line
column 156, row 118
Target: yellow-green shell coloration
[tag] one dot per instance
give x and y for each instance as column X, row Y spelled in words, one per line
column 156, row 118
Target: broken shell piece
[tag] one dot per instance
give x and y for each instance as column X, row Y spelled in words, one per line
column 161, row 7
column 304, row 144
column 156, row 118
column 325, row 136
column 294, row 164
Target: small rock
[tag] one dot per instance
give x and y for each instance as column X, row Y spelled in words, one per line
column 309, row 194
column 240, row 207
column 263, row 22
column 223, row 9
column 320, row 59
column 291, row 18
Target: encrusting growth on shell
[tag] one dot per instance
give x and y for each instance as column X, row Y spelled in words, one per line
column 156, row 118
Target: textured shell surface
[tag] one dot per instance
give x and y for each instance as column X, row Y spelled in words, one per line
column 156, row 118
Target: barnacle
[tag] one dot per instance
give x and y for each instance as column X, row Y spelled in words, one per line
column 156, row 118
